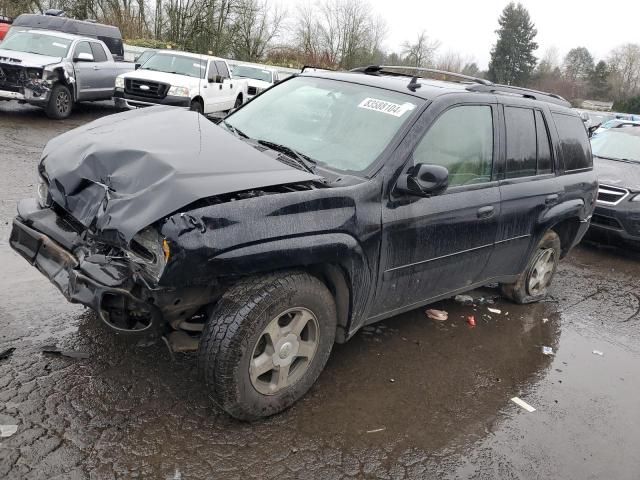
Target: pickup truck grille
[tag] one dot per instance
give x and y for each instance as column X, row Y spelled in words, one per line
column 145, row 88
column 608, row 195
column 11, row 77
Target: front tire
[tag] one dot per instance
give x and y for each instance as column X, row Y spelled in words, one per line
column 238, row 102
column 60, row 102
column 533, row 283
column 197, row 106
column 266, row 342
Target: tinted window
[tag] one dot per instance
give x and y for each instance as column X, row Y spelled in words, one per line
column 545, row 164
column 98, row 52
column 82, row 47
column 462, row 141
column 213, row 70
column 574, row 142
column 222, row 69
column 521, row 142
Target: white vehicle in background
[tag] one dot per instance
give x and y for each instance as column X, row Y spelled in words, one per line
column 182, row 79
column 259, row 78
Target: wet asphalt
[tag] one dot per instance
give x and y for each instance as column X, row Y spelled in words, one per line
column 409, row 398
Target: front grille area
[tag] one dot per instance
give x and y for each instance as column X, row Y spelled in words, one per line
column 252, row 90
column 145, row 88
column 606, row 221
column 12, row 77
column 609, row 195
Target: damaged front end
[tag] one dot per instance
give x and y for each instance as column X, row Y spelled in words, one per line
column 25, row 83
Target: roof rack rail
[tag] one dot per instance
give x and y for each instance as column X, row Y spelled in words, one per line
column 316, row 68
column 385, row 70
column 521, row 92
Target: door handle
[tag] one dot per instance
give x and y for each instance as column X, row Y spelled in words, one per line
column 551, row 199
column 95, row 67
column 485, row 212
column 220, row 87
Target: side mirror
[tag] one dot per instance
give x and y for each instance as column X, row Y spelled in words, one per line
column 83, row 57
column 136, row 66
column 424, row 180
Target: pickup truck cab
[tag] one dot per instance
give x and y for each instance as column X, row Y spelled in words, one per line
column 54, row 70
column 329, row 202
column 259, row 78
column 200, row 82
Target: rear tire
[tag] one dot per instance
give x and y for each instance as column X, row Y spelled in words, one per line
column 533, row 283
column 197, row 106
column 60, row 102
column 266, row 342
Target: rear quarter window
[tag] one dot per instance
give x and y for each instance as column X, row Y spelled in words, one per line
column 574, row 142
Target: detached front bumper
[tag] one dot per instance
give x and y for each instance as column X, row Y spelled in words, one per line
column 25, row 95
column 106, row 288
column 128, row 101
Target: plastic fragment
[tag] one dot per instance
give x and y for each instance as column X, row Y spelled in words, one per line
column 523, row 404
column 438, row 315
column 545, row 320
column 494, row 310
column 471, row 320
column 547, row 351
column 53, row 350
column 598, row 352
column 7, row 430
column 377, row 430
column 464, row 299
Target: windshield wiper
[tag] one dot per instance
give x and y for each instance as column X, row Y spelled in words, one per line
column 303, row 160
column 628, row 160
column 236, row 131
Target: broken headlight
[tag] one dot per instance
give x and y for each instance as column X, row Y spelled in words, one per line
column 42, row 192
column 151, row 251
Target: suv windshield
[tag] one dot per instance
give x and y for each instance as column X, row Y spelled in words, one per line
column 178, row 64
column 30, row 42
column 617, row 144
column 344, row 126
column 252, row 72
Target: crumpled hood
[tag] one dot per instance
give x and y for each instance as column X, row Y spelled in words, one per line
column 26, row 59
column 617, row 174
column 123, row 172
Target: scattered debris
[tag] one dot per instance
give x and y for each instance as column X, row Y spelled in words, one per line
column 523, row 404
column 547, row 351
column 464, row 299
column 7, row 430
column 377, row 430
column 7, row 353
column 438, row 315
column 471, row 320
column 598, row 352
column 494, row 310
column 392, row 380
column 545, row 320
column 294, row 450
column 53, row 350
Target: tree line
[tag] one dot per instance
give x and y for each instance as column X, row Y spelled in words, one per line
column 348, row 33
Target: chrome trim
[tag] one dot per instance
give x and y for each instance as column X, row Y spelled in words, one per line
column 438, row 258
column 611, row 190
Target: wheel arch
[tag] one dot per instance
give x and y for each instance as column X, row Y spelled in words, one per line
column 567, row 230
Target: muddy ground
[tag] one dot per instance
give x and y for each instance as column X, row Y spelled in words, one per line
column 411, row 398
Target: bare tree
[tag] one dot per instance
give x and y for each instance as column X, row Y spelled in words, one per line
column 624, row 64
column 421, row 53
column 450, row 61
column 256, row 26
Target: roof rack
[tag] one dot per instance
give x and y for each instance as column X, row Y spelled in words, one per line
column 385, row 70
column 305, row 67
column 520, row 92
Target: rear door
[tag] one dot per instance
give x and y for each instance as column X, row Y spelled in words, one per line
column 528, row 184
column 87, row 74
column 106, row 72
column 436, row 245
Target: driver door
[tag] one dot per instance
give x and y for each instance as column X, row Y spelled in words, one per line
column 435, row 245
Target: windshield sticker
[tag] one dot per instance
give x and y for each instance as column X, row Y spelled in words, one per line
column 395, row 109
column 60, row 45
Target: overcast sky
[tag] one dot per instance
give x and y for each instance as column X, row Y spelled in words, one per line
column 468, row 26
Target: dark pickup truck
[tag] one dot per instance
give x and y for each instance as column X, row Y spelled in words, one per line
column 330, row 201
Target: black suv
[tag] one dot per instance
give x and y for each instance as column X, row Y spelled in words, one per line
column 329, row 202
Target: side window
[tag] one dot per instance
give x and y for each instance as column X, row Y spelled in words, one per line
column 82, row 47
column 222, row 69
column 545, row 161
column 521, row 142
column 574, row 142
column 462, row 141
column 213, row 70
column 98, row 52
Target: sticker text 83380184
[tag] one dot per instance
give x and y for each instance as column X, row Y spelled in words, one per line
column 382, row 106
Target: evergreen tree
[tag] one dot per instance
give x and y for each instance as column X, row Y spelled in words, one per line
column 512, row 59
column 578, row 64
column 599, row 81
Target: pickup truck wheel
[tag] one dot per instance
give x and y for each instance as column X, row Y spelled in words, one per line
column 60, row 102
column 238, row 103
column 266, row 342
column 533, row 283
column 197, row 106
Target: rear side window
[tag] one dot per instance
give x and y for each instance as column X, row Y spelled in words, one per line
column 574, row 142
column 98, row 52
column 521, row 142
column 462, row 141
column 222, row 69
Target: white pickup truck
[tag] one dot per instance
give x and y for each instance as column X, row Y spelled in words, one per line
column 200, row 82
